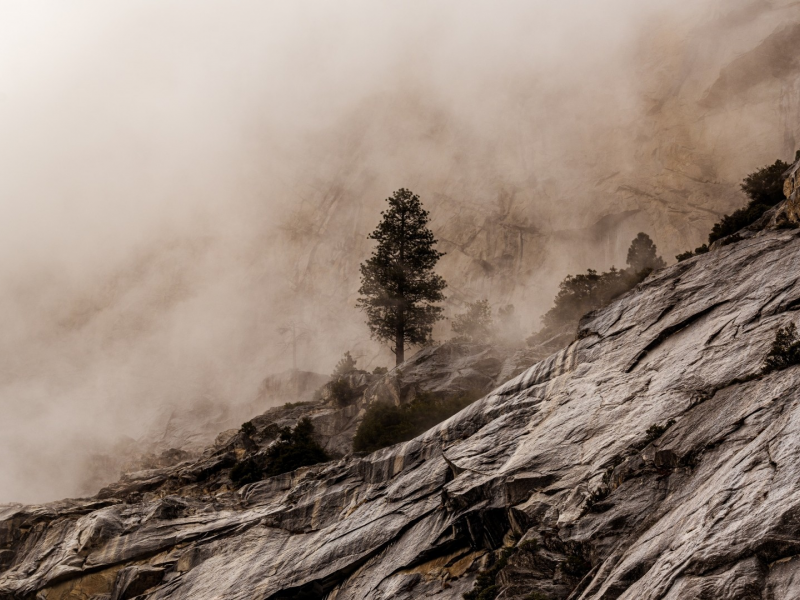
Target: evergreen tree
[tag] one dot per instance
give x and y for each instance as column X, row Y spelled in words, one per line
column 399, row 288
column 642, row 255
column 346, row 365
column 475, row 324
column 764, row 187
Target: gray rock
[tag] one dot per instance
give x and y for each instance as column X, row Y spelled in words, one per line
column 576, row 457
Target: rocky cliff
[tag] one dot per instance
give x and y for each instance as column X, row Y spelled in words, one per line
column 650, row 459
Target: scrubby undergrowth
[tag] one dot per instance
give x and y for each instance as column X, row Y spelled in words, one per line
column 294, row 448
column 385, row 424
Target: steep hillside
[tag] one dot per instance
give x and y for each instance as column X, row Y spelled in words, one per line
column 650, row 459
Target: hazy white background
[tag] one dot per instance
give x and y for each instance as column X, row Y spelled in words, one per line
column 166, row 165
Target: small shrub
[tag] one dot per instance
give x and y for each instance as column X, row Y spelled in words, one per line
column 385, row 424
column 689, row 254
column 731, row 239
column 597, row 495
column 247, row 471
column 290, row 405
column 785, row 350
column 295, row 448
column 654, row 432
column 248, row 428
column 380, row 371
column 342, row 393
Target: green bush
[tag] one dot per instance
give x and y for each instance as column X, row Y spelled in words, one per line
column 248, row 428
column 295, row 448
column 385, row 424
column 689, row 254
column 764, row 187
column 290, row 405
column 580, row 294
column 585, row 292
column 785, row 350
column 475, row 324
column 342, row 393
column 380, row 371
column 737, row 220
column 247, row 471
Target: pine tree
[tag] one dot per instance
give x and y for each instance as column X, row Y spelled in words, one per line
column 475, row 324
column 399, row 288
column 345, row 365
column 642, row 255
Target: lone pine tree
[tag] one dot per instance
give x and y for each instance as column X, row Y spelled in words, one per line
column 642, row 255
column 399, row 288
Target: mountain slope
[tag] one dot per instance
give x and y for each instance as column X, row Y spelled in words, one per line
column 578, row 457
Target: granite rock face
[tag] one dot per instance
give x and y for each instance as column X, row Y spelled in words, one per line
column 650, row 459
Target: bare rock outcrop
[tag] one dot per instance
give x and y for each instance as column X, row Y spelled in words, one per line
column 650, row 459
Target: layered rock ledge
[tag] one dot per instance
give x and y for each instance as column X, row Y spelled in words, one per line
column 648, row 460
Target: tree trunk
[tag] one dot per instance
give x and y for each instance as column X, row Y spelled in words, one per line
column 399, row 350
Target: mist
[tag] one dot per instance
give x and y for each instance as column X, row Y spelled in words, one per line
column 183, row 178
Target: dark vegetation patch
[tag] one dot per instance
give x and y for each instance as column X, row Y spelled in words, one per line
column 341, row 392
column 385, row 424
column 785, row 350
column 586, row 292
column 689, row 254
column 764, row 188
column 654, row 432
column 294, row 448
column 576, row 566
column 289, row 405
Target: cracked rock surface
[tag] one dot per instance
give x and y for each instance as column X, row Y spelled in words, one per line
column 648, row 460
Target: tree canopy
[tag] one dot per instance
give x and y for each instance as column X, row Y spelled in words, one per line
column 585, row 292
column 399, row 288
column 475, row 324
column 764, row 187
column 642, row 255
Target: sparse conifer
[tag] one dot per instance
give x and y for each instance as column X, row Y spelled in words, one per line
column 399, row 289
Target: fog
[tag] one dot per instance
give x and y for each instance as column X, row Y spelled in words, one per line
column 181, row 179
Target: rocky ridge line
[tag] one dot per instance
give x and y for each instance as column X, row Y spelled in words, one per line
column 648, row 460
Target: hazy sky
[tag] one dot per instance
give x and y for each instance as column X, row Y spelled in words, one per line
column 174, row 173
